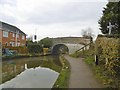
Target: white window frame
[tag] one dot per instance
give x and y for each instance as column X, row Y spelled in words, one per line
column 23, row 37
column 13, row 35
column 12, row 43
column 5, row 34
column 17, row 35
column 18, row 44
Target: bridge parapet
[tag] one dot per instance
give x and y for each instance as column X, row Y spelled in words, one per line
column 71, row 40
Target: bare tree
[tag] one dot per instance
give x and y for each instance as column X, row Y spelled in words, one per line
column 88, row 32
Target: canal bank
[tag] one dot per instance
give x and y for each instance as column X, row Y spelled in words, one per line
column 22, row 56
column 63, row 79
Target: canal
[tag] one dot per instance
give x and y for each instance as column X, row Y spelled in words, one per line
column 33, row 72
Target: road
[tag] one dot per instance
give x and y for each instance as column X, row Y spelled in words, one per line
column 81, row 75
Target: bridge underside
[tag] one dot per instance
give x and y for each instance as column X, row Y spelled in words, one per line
column 60, row 49
column 69, row 44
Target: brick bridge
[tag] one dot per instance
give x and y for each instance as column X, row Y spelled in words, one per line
column 69, row 44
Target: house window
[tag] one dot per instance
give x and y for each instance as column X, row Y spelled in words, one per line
column 5, row 34
column 6, row 44
column 12, row 43
column 18, row 44
column 23, row 37
column 17, row 35
column 13, row 35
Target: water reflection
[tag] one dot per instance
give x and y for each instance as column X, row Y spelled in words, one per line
column 13, row 68
column 33, row 78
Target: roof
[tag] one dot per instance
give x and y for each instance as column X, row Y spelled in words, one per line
column 8, row 27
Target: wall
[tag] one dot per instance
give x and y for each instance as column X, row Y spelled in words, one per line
column 10, row 38
column 11, row 29
column 0, row 36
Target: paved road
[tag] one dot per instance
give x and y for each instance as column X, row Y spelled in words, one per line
column 81, row 75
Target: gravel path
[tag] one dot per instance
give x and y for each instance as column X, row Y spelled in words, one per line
column 81, row 75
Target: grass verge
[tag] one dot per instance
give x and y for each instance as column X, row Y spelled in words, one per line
column 63, row 79
column 101, row 74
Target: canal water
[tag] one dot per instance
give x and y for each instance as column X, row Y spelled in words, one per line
column 34, row 72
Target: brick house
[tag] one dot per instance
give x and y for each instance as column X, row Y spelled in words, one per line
column 11, row 35
column 0, row 43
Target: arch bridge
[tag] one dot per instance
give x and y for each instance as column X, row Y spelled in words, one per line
column 69, row 44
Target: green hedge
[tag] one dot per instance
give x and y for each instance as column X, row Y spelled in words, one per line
column 108, row 51
column 110, row 36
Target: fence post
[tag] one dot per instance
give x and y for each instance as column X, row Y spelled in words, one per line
column 96, row 60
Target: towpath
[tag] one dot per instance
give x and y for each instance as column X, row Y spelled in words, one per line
column 81, row 75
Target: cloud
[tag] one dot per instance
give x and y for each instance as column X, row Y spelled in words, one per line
column 8, row 2
column 71, row 11
column 50, row 11
column 52, row 17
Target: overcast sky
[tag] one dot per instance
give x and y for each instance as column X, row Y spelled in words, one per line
column 52, row 18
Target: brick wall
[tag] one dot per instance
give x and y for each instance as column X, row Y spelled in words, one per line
column 10, row 38
column 0, row 36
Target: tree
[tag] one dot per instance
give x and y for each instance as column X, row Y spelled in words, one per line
column 110, row 14
column 34, row 47
column 46, row 42
column 88, row 32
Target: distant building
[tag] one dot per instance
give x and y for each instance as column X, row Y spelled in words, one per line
column 11, row 35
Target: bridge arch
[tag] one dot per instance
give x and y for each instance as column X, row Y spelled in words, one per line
column 60, row 48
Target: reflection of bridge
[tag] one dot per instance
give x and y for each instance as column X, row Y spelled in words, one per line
column 69, row 44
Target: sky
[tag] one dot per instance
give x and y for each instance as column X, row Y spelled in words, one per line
column 53, row 18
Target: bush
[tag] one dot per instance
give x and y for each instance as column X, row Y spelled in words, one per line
column 18, row 49
column 108, row 51
column 34, row 48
